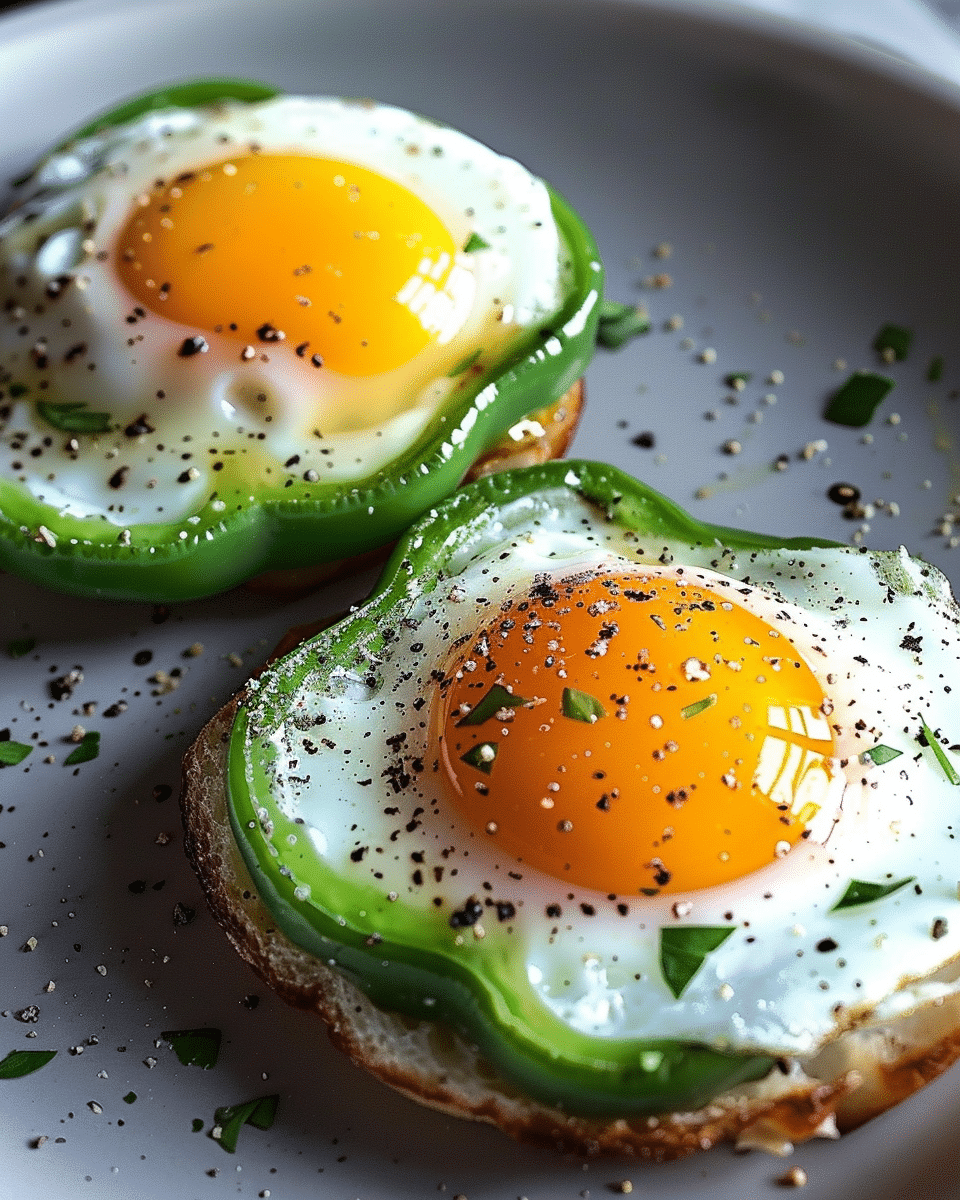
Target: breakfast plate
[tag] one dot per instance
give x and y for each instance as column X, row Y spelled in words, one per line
column 774, row 199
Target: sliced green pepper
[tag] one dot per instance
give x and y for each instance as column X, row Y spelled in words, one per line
column 277, row 516
column 407, row 960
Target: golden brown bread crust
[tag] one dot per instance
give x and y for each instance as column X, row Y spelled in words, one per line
column 865, row 1072
column 559, row 423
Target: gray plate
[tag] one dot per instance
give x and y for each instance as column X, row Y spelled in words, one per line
column 809, row 192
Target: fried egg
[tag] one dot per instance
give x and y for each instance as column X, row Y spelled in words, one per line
column 643, row 779
column 295, row 286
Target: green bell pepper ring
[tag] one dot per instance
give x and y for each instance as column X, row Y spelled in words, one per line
column 281, row 517
column 405, row 960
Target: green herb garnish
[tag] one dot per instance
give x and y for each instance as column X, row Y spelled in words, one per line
column 683, row 949
column 73, row 418
column 260, row 1113
column 498, row 697
column 935, row 370
column 698, row 706
column 196, row 1124
column 861, row 892
column 195, row 1047
column 855, row 401
column 879, row 755
column 620, row 322
column 130, row 1098
column 738, row 379
column 894, row 338
column 581, row 706
column 12, row 753
column 948, row 768
column 20, row 646
column 88, row 750
column 475, row 242
column 24, row 1062
column 17, row 390
column 465, row 363
column 481, row 756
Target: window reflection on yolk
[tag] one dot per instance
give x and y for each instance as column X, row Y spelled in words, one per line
column 346, row 264
column 634, row 733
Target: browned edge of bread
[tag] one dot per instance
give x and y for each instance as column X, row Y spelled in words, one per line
column 862, row 1073
column 559, row 423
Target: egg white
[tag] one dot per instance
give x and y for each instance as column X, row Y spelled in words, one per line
column 64, row 226
column 768, row 988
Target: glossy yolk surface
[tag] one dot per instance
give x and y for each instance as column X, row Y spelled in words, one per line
column 350, row 269
column 634, row 734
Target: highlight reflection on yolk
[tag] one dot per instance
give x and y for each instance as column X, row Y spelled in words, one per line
column 634, row 733
column 337, row 261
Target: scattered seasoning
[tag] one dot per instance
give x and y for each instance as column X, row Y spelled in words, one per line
column 130, row 1098
column 619, row 323
column 861, row 892
column 229, row 1120
column 475, row 242
column 843, row 493
column 88, row 750
column 73, row 418
column 623, row 1187
column 193, row 345
column 683, row 950
column 581, row 706
column 20, row 647
column 939, row 928
column 935, row 370
column 12, row 753
column 19, row 1063
column 947, row 766
column 892, row 343
column 738, row 380
column 645, row 440
column 854, row 402
column 195, row 1047
column 795, row 1177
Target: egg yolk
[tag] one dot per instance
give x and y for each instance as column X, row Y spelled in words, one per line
column 351, row 269
column 634, row 733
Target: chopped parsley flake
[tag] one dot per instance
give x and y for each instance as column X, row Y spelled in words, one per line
column 581, row 706
column 230, row 1120
column 481, row 756
column 195, row 1047
column 475, row 242
column 948, row 768
column 20, row 646
column 73, row 418
column 855, row 401
column 699, row 706
column 88, row 749
column 619, row 323
column 935, row 370
column 683, row 950
column 498, row 697
column 860, row 891
column 895, row 340
column 12, row 753
column 879, row 755
column 24, row 1062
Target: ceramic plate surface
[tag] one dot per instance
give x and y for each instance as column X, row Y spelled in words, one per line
column 802, row 195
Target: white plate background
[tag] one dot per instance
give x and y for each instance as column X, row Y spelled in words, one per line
column 810, row 194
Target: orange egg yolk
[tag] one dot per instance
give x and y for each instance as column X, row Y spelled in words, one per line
column 351, row 269
column 634, row 734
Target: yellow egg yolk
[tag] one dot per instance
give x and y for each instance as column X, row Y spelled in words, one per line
column 634, row 733
column 351, row 269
